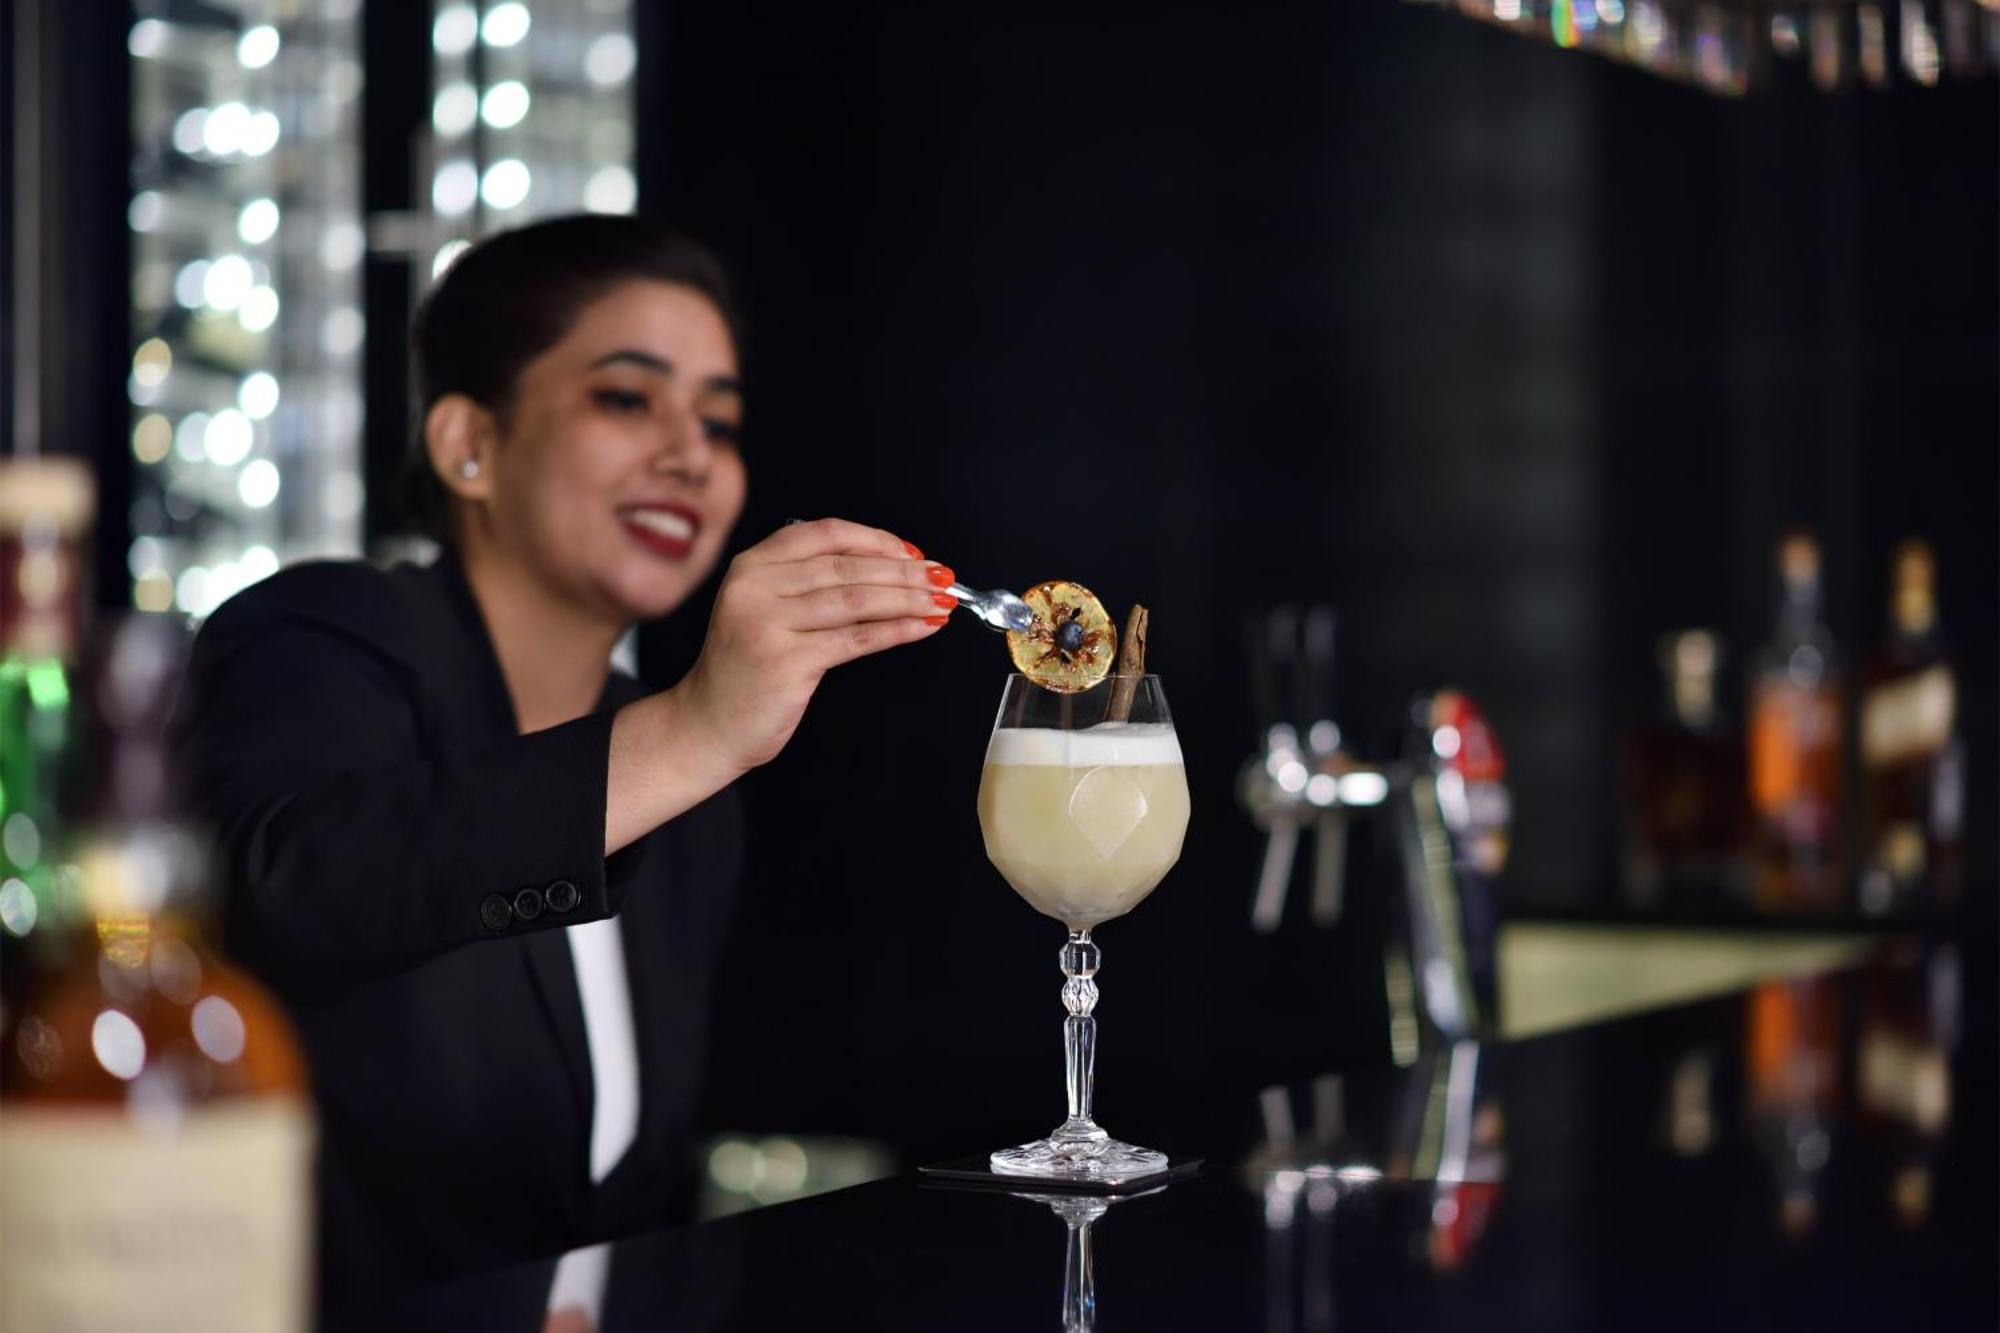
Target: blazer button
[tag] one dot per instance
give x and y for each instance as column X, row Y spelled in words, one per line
column 528, row 904
column 495, row 912
column 562, row 896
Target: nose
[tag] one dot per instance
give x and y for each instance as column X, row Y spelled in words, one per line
column 685, row 449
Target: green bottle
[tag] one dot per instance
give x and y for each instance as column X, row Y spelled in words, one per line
column 46, row 506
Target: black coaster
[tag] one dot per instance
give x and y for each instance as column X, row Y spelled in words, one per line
column 976, row 1173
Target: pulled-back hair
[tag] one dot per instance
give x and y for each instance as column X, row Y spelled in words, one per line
column 513, row 296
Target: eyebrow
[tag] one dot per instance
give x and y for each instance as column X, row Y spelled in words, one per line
column 660, row 366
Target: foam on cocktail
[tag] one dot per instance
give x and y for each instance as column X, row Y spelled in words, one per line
column 1104, row 745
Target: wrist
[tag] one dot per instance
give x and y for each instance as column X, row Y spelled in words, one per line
column 688, row 730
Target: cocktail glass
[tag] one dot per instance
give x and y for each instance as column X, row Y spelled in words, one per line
column 1083, row 816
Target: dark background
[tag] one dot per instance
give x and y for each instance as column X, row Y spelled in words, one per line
column 1517, row 357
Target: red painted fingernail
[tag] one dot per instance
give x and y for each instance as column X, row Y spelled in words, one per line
column 935, row 621
column 910, row 549
column 941, row 575
column 944, row 599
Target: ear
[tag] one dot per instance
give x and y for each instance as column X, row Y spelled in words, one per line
column 458, row 431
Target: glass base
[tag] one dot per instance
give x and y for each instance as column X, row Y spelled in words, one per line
column 1103, row 1161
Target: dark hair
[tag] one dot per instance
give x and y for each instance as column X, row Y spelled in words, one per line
column 513, row 296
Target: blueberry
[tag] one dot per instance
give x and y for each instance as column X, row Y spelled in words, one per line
column 1070, row 637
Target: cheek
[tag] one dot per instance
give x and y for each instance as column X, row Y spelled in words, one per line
column 728, row 483
column 569, row 483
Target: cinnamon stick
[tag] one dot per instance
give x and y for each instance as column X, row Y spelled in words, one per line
column 1131, row 666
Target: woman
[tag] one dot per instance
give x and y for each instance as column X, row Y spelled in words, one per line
column 428, row 782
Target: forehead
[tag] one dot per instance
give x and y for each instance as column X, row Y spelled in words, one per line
column 670, row 321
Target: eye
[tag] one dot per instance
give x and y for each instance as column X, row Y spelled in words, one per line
column 720, row 431
column 622, row 401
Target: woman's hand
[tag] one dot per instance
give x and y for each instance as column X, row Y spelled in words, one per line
column 802, row 601
column 799, row 603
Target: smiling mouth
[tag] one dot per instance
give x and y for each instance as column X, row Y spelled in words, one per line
column 669, row 532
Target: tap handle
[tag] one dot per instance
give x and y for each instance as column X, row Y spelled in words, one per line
column 1329, row 866
column 1263, row 672
column 1316, row 676
column 1283, row 638
column 1281, row 846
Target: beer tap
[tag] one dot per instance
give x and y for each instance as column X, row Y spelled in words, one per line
column 1452, row 816
column 1325, row 759
column 1303, row 774
column 1449, row 811
column 1272, row 786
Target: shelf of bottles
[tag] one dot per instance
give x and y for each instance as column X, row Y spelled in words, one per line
column 247, row 244
column 531, row 117
column 1728, row 47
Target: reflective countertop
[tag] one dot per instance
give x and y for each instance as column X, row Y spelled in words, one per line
column 1806, row 1153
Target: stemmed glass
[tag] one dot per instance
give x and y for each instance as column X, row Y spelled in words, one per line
column 1083, row 816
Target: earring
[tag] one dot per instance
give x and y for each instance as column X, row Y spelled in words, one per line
column 469, row 468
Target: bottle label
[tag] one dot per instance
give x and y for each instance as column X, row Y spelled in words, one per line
column 1795, row 754
column 112, row 1223
column 1904, row 718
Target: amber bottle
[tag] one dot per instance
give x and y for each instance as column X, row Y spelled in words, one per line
column 155, row 1129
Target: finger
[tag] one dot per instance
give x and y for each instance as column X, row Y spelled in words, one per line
column 831, row 647
column 829, row 536
column 798, row 577
column 855, row 603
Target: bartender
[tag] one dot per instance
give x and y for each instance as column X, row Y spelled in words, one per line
column 488, row 874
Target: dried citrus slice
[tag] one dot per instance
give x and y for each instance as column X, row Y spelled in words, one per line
column 1072, row 644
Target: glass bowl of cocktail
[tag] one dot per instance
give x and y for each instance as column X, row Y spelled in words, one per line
column 1083, row 803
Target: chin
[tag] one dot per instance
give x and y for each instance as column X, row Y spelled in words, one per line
column 652, row 593
column 636, row 586
column 635, row 604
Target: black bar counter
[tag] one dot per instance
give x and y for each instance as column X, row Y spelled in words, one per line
column 1812, row 1154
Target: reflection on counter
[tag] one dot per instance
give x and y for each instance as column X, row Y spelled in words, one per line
column 741, row 1171
column 1438, row 1120
column 1798, row 1058
column 1433, row 1126
column 1826, row 1102
column 1689, row 1124
column 1079, row 1213
column 1909, row 1033
column 1792, row 1065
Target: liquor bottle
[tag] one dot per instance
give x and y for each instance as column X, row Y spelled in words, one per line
column 1795, row 745
column 45, row 513
column 155, row 1132
column 1684, row 784
column 1912, row 758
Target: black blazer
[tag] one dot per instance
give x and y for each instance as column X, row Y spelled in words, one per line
column 400, row 863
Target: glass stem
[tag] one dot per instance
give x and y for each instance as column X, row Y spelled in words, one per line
column 1079, row 965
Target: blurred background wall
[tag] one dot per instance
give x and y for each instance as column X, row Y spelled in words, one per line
column 1517, row 357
